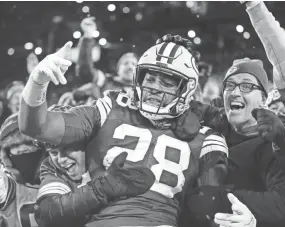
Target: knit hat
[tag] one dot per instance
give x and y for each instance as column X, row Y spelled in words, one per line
column 251, row 66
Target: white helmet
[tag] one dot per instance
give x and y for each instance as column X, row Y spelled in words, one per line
column 174, row 60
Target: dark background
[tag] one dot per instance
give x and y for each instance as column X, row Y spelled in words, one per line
column 214, row 23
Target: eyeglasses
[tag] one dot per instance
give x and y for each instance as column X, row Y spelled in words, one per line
column 243, row 87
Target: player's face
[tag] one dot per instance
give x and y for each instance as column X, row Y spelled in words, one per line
column 14, row 102
column 70, row 162
column 238, row 105
column 126, row 69
column 158, row 84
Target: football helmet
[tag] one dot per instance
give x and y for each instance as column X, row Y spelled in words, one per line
column 170, row 59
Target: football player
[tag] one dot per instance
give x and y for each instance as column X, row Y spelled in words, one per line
column 137, row 123
column 64, row 179
column 19, row 175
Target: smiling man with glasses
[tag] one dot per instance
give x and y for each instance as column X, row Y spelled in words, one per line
column 244, row 89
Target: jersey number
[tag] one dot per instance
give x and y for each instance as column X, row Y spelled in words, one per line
column 170, row 168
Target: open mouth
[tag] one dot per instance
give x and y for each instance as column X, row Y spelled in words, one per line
column 70, row 168
column 235, row 105
column 153, row 102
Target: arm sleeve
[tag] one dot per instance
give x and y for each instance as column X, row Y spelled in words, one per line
column 213, row 161
column 59, row 205
column 81, row 123
column 64, row 128
column 272, row 37
column 269, row 206
column 213, row 166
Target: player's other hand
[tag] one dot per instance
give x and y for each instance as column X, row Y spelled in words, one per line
column 241, row 215
column 88, row 26
column 53, row 67
column 126, row 181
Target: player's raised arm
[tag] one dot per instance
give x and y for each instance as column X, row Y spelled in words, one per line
column 34, row 119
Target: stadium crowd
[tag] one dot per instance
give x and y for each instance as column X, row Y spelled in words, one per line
column 159, row 144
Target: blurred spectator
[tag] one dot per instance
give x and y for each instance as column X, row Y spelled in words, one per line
column 205, row 71
column 67, row 99
column 211, row 90
column 125, row 72
column 13, row 95
column 32, row 61
column 4, row 110
column 100, row 82
column 19, row 174
column 274, row 101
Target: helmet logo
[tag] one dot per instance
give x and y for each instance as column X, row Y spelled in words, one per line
column 232, row 70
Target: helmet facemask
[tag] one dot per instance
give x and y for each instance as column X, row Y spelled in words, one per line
column 180, row 101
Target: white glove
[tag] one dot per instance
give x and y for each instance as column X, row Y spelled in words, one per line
column 3, row 186
column 241, row 217
column 53, row 67
column 88, row 26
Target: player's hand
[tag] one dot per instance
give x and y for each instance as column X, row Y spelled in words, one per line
column 126, row 181
column 186, row 126
column 3, row 185
column 241, row 217
column 205, row 201
column 269, row 126
column 53, row 67
column 88, row 26
column 32, row 62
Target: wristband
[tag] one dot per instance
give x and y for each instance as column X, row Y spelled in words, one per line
column 34, row 94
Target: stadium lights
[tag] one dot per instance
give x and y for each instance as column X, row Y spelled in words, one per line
column 246, row 35
column 38, row 51
column 10, row 51
column 111, row 7
column 102, row 41
column 79, row 1
column 96, row 34
column 29, row 46
column 138, row 16
column 190, row 4
column 239, row 28
column 76, row 34
column 85, row 9
column 197, row 40
column 191, row 34
column 126, row 9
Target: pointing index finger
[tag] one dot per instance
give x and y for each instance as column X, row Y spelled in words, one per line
column 62, row 52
